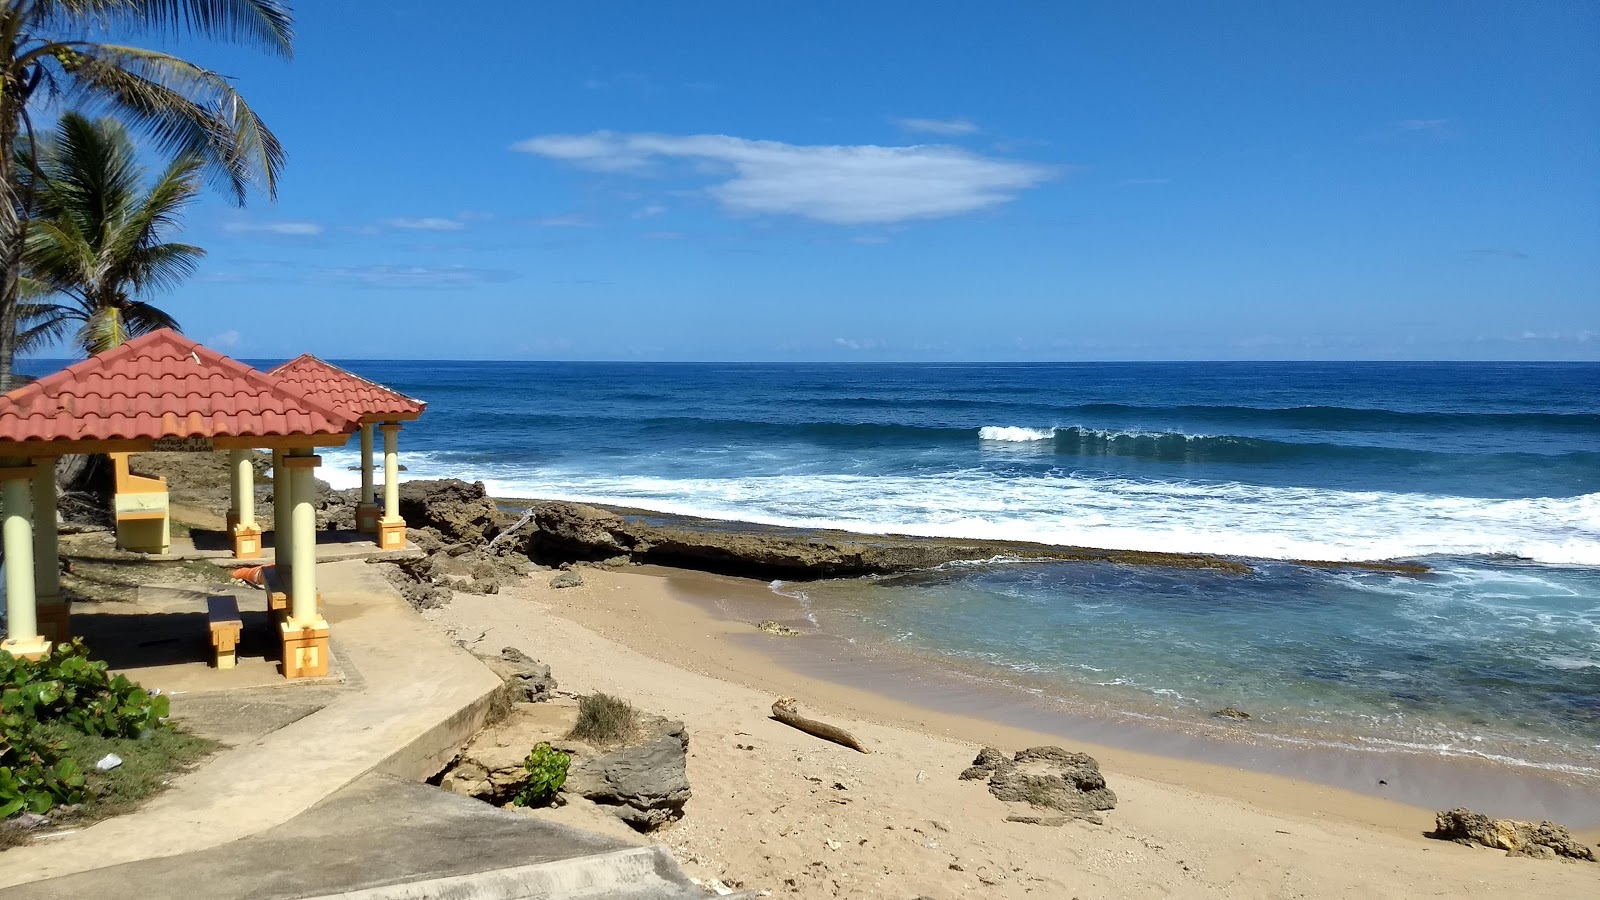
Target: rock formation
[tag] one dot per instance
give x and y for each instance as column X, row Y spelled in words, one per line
column 1046, row 778
column 1545, row 840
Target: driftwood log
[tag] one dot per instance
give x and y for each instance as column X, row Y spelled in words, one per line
column 785, row 711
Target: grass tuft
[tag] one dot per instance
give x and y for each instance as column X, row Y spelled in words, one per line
column 148, row 764
column 604, row 720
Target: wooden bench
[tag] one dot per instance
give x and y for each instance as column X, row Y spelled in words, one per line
column 223, row 611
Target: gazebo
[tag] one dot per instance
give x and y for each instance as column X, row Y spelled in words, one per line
column 156, row 392
column 373, row 405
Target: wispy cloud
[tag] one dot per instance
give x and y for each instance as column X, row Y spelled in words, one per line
column 841, row 185
column 227, row 340
column 1143, row 182
column 1422, row 124
column 664, row 235
column 858, row 343
column 650, row 212
column 403, row 276
column 945, row 127
column 427, row 223
column 1498, row 253
column 563, row 222
column 287, row 229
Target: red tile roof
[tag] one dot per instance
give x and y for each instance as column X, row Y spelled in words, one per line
column 163, row 385
column 346, row 390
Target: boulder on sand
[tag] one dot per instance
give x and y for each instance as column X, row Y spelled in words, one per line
column 1545, row 840
column 1045, row 777
column 459, row 511
column 645, row 784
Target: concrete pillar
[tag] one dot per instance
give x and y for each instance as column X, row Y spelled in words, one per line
column 54, row 615
column 243, row 528
column 282, row 506
column 304, row 632
column 367, row 508
column 391, row 528
column 22, row 623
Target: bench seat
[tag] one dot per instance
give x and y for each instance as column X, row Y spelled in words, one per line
column 223, row 612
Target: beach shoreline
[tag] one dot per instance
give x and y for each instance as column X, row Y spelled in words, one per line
column 658, row 638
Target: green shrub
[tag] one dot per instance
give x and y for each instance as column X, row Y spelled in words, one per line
column 604, row 719
column 547, row 772
column 70, row 691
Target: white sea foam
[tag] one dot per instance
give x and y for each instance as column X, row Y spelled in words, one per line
column 1111, row 512
column 1014, row 434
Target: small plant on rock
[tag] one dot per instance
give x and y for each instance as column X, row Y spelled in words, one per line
column 604, row 719
column 547, row 772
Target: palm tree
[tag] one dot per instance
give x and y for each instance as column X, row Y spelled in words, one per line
column 183, row 108
column 96, row 238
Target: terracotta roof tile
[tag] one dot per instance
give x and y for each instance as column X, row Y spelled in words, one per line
column 346, row 390
column 164, row 385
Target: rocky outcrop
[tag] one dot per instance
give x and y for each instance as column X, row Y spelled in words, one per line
column 566, row 580
column 1045, row 778
column 645, row 784
column 456, row 510
column 527, row 679
column 1545, row 840
column 563, row 531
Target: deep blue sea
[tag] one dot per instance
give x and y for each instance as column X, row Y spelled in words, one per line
column 1487, row 472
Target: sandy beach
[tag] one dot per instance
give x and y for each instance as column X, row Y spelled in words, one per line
column 777, row 809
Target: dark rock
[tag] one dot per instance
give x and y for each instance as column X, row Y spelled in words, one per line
column 645, row 784
column 458, row 511
column 573, row 531
column 772, row 626
column 1228, row 712
column 1047, row 778
column 567, row 580
column 1545, row 840
column 529, row 680
column 1053, row 821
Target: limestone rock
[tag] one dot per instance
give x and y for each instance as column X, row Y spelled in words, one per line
column 530, row 681
column 645, row 784
column 459, row 511
column 1545, row 840
column 575, row 528
column 567, row 580
column 1228, row 712
column 1046, row 778
column 771, row 626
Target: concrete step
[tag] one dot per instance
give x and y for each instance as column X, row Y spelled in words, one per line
column 642, row 873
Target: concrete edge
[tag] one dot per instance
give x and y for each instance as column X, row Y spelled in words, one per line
column 582, row 876
column 433, row 750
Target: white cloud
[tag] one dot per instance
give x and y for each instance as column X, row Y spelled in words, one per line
column 1421, row 124
column 946, row 127
column 841, row 185
column 291, row 229
column 427, row 223
column 858, row 343
column 650, row 212
column 563, row 222
column 226, row 340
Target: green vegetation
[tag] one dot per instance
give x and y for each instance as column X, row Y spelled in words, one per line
column 45, row 707
column 183, row 109
column 96, row 238
column 148, row 763
column 604, row 719
column 547, row 772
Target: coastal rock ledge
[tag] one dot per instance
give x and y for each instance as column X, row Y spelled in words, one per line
column 1545, row 840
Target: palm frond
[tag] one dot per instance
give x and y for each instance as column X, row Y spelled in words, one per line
column 267, row 24
column 185, row 109
column 142, row 318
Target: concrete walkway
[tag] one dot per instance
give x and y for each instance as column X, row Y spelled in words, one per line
column 384, row 839
column 412, row 699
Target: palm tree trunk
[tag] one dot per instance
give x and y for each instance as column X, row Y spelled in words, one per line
column 13, row 228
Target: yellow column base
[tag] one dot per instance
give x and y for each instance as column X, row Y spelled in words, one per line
column 54, row 617
column 391, row 534
column 305, row 648
column 34, row 648
column 367, row 515
column 246, row 542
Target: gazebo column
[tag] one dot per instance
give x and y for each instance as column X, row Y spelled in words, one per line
column 367, row 509
column 246, row 534
column 304, row 632
column 54, row 614
column 282, row 537
column 391, row 528
column 22, row 623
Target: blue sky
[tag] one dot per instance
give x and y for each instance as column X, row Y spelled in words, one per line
column 915, row 181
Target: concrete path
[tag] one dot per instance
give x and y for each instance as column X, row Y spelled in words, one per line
column 413, row 698
column 385, row 839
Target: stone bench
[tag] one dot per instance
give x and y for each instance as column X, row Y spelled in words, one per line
column 226, row 625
